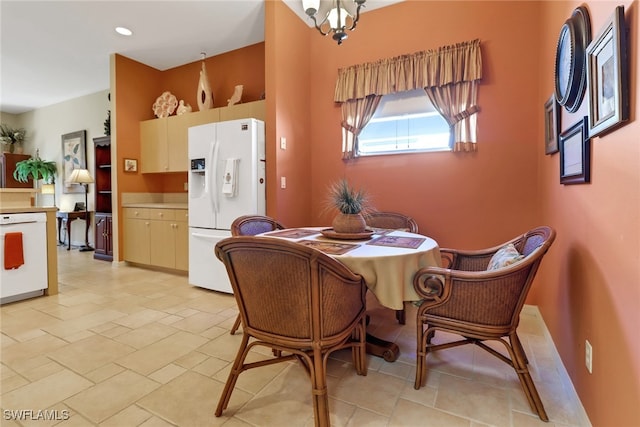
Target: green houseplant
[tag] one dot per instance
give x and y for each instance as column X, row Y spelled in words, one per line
column 351, row 203
column 35, row 168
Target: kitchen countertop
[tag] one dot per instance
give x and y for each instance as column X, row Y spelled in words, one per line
column 27, row 209
column 157, row 205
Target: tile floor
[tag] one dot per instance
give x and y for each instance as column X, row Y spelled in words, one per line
column 124, row 346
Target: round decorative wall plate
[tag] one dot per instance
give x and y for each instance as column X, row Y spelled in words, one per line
column 571, row 71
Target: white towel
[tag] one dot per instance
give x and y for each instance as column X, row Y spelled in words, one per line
column 230, row 178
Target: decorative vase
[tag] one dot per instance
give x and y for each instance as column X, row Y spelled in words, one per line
column 349, row 223
column 18, row 149
column 205, row 97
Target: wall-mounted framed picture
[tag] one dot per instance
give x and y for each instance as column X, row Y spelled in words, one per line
column 608, row 76
column 551, row 125
column 130, row 165
column 74, row 156
column 575, row 154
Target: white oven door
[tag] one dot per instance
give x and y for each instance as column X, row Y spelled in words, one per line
column 30, row 278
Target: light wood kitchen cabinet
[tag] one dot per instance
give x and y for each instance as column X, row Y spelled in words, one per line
column 182, row 240
column 153, row 146
column 255, row 110
column 161, row 236
column 137, row 234
column 164, row 142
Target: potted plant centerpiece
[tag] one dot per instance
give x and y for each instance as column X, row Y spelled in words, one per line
column 12, row 137
column 351, row 204
column 35, row 168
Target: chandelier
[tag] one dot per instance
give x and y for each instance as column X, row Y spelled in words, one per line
column 336, row 16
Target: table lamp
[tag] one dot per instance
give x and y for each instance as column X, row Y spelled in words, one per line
column 82, row 176
column 49, row 189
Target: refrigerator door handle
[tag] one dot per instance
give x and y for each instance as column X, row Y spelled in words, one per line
column 214, row 176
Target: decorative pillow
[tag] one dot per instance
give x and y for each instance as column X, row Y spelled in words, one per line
column 505, row 256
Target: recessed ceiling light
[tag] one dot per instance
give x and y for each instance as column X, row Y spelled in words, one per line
column 124, row 31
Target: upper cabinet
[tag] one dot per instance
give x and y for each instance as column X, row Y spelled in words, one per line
column 164, row 142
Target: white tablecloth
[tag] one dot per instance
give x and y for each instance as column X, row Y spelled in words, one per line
column 388, row 271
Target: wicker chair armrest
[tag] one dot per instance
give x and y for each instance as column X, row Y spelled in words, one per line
column 433, row 283
column 429, row 282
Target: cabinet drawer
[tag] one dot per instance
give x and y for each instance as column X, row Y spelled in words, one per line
column 162, row 214
column 140, row 213
column 182, row 215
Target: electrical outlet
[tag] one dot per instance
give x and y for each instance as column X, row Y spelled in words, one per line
column 283, row 182
column 588, row 356
column 283, row 143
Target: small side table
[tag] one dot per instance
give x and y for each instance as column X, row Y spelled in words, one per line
column 67, row 218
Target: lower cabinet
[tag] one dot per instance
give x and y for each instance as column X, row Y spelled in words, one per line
column 103, row 239
column 157, row 237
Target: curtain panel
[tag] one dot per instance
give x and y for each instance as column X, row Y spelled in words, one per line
column 449, row 75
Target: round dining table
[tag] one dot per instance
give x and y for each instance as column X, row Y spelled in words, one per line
column 386, row 259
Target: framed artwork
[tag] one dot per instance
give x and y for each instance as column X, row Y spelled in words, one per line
column 551, row 125
column 608, row 75
column 130, row 165
column 74, row 156
column 575, row 154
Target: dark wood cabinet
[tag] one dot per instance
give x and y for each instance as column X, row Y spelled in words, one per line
column 8, row 166
column 103, row 242
column 103, row 209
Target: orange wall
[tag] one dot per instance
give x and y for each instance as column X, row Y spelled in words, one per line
column 590, row 286
column 459, row 199
column 288, row 115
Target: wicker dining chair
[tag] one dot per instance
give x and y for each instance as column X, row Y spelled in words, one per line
column 478, row 295
column 297, row 300
column 250, row 225
column 393, row 221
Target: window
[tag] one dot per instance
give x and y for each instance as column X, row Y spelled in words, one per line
column 404, row 122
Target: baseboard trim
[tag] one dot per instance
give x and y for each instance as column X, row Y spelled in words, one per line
column 533, row 310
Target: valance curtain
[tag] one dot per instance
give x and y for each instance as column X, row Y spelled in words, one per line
column 449, row 75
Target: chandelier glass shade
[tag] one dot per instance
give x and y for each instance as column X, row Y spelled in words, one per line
column 334, row 16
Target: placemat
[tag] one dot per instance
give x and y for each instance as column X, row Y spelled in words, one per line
column 329, row 248
column 293, row 233
column 398, row 241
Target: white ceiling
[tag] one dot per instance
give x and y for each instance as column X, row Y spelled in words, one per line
column 52, row 51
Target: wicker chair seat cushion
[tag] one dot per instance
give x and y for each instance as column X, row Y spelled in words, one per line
column 504, row 257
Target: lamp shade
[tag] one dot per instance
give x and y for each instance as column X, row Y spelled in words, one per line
column 48, row 189
column 80, row 176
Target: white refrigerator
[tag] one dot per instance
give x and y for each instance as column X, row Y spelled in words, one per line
column 226, row 180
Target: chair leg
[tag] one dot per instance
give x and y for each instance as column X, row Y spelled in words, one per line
column 359, row 351
column 236, row 325
column 233, row 376
column 521, row 348
column 401, row 316
column 319, row 390
column 421, row 347
column 520, row 365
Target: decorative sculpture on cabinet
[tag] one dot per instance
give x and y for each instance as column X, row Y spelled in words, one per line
column 182, row 108
column 236, row 97
column 205, row 97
